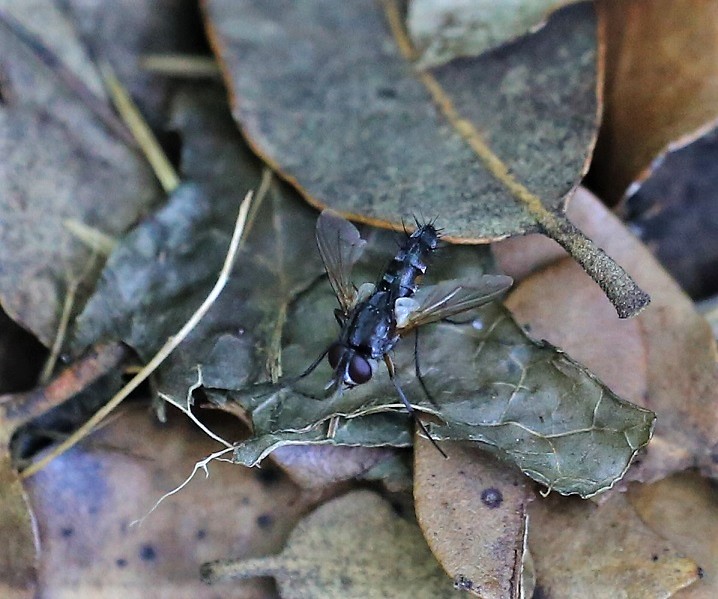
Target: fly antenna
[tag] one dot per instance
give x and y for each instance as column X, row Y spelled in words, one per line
column 311, row 367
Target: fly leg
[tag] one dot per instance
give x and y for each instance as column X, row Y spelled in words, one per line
column 417, row 369
column 392, row 375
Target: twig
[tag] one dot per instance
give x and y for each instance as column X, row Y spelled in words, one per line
column 147, row 141
column 93, row 238
column 72, row 287
column 180, row 65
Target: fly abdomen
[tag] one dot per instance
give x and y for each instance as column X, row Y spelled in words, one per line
column 402, row 273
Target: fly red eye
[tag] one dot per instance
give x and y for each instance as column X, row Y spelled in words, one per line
column 359, row 369
column 335, row 354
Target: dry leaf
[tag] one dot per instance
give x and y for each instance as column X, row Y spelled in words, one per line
column 664, row 360
column 19, row 551
column 684, row 510
column 603, row 552
column 473, row 511
column 524, row 400
column 352, row 125
column 161, row 271
column 86, row 499
column 59, row 156
column 661, row 85
column 675, row 214
column 443, row 30
column 352, row 122
column 20, row 548
column 354, row 547
column 315, row 466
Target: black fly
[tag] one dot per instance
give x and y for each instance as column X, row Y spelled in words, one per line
column 374, row 317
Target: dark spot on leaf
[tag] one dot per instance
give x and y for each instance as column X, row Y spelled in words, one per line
column 654, row 557
column 147, row 553
column 265, row 521
column 245, row 501
column 67, row 532
column 346, row 581
column 268, row 476
column 492, row 497
column 398, row 508
column 121, row 562
column 388, row 93
column 461, row 583
column 201, row 534
column 449, row 20
column 700, row 572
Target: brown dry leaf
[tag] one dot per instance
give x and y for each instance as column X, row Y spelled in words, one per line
column 665, row 359
column 602, row 552
column 684, row 510
column 316, row 466
column 19, row 551
column 354, row 547
column 472, row 510
column 661, row 84
column 86, row 499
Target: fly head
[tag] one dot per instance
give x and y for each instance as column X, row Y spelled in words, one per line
column 350, row 367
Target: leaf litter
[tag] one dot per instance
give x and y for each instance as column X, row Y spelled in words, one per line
column 665, row 360
column 403, row 418
column 20, row 553
column 683, row 509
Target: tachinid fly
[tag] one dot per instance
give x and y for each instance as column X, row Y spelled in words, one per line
column 374, row 317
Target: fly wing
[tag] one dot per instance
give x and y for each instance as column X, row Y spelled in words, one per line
column 448, row 298
column 340, row 246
